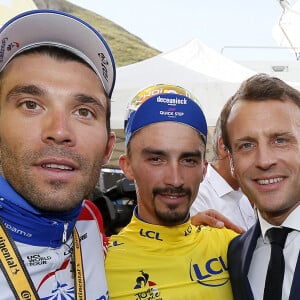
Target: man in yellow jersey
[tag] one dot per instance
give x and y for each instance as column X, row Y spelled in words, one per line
column 160, row 254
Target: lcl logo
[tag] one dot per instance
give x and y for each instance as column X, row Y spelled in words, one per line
column 205, row 273
column 150, row 234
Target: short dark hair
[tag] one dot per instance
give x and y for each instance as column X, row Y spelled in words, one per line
column 260, row 87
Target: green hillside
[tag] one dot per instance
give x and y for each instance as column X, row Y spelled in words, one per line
column 126, row 47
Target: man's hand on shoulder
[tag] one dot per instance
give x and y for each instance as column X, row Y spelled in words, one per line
column 213, row 218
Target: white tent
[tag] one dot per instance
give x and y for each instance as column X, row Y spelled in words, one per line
column 10, row 8
column 211, row 77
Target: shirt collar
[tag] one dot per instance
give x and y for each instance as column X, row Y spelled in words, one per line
column 292, row 221
column 220, row 185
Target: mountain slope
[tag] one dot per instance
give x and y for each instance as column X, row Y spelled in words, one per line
column 126, row 47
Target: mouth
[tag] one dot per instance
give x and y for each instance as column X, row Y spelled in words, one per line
column 173, row 199
column 57, row 164
column 173, row 196
column 57, row 167
column 269, row 181
column 172, row 192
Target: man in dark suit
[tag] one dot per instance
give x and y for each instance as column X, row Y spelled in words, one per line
column 261, row 130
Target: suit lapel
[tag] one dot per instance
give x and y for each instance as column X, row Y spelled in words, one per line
column 249, row 245
column 295, row 290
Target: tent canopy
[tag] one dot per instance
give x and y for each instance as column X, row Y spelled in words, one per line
column 210, row 76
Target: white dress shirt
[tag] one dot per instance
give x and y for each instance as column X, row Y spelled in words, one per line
column 260, row 260
column 214, row 192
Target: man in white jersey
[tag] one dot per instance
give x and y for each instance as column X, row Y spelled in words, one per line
column 57, row 75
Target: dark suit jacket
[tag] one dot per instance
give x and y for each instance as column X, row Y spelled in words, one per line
column 240, row 253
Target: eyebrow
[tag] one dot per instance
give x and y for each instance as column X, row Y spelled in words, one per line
column 272, row 136
column 26, row 89
column 283, row 133
column 38, row 91
column 86, row 99
column 244, row 138
column 151, row 151
column 147, row 151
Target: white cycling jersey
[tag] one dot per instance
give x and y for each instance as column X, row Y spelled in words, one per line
column 50, row 267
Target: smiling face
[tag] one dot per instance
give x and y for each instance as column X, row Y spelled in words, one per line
column 265, row 141
column 53, row 135
column 166, row 160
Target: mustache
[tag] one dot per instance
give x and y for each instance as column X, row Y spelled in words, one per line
column 56, row 152
column 172, row 191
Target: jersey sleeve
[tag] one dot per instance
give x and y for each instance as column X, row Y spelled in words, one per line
column 91, row 211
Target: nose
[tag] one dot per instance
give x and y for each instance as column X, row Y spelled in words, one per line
column 266, row 156
column 173, row 175
column 56, row 129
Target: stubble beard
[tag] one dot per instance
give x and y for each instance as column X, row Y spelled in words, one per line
column 51, row 195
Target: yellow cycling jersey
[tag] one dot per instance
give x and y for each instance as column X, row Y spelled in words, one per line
column 146, row 261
